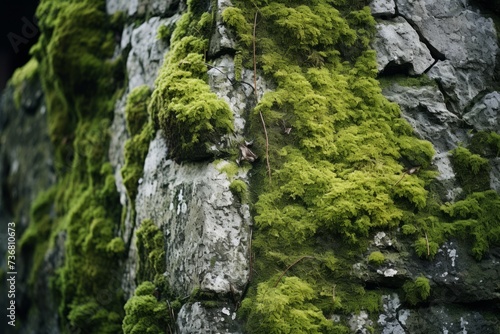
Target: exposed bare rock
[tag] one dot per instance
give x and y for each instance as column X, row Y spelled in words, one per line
column 383, row 8
column 485, row 114
column 465, row 38
column 195, row 318
column 397, row 44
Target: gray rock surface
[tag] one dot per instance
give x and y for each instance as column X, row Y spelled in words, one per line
column 397, row 43
column 425, row 109
column 142, row 7
column 196, row 318
column 222, row 39
column 147, row 50
column 26, row 168
column 485, row 114
column 383, row 8
column 206, row 228
column 466, row 38
column 495, row 174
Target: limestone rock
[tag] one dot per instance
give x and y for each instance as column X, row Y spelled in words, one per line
column 383, row 8
column 466, row 39
column 425, row 109
column 195, row 318
column 206, row 230
column 147, row 51
column 485, row 114
column 142, row 7
column 222, row 39
column 397, row 43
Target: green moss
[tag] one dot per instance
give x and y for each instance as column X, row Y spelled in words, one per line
column 285, row 309
column 21, row 77
column 151, row 250
column 417, row 291
column 333, row 176
column 144, row 313
column 141, row 133
column 35, row 239
column 405, row 81
column 476, row 218
column 376, row 258
column 486, row 144
column 240, row 189
column 192, row 118
column 471, row 170
column 80, row 83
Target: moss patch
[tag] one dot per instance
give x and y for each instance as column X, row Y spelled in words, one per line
column 471, row 169
column 334, row 174
column 80, row 83
column 193, row 118
column 141, row 133
column 417, row 291
column 21, row 77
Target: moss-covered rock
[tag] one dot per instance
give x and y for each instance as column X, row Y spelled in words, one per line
column 192, row 118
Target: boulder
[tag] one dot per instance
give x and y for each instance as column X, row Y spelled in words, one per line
column 465, row 38
column 485, row 113
column 383, row 8
column 398, row 44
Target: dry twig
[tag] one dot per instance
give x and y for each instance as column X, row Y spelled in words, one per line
column 256, row 97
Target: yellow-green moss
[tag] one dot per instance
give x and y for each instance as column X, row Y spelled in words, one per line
column 476, row 218
column 21, row 77
column 417, row 291
column 192, row 118
column 376, row 258
column 144, row 313
column 80, row 83
column 471, row 170
column 333, row 176
column 141, row 132
column 240, row 189
column 151, row 250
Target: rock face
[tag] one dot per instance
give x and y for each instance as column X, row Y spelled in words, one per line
column 397, row 44
column 459, row 101
column 206, row 224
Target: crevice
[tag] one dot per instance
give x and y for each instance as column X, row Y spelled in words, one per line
column 435, row 53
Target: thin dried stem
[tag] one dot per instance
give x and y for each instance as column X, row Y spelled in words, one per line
column 290, row 266
column 256, row 97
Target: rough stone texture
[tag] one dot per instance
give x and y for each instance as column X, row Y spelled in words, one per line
column 142, row 7
column 383, row 8
column 425, row 109
column 147, row 51
column 206, row 229
column 485, row 114
column 195, row 318
column 397, row 44
column 393, row 319
column 466, row 38
column 222, row 39
column 495, row 174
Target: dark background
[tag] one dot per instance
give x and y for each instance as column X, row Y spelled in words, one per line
column 12, row 13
